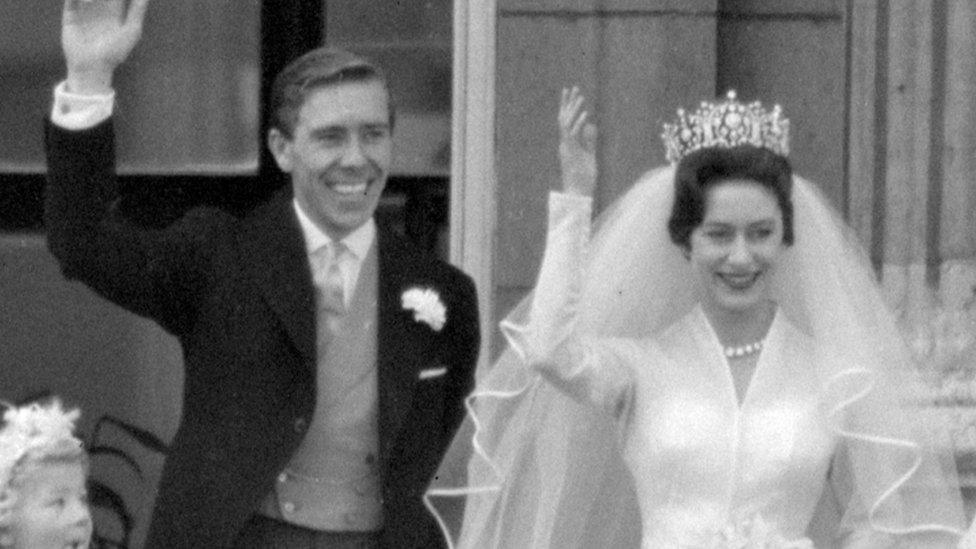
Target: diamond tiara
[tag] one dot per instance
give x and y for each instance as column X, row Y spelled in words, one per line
column 726, row 124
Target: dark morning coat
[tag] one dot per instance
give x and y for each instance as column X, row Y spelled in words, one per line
column 238, row 294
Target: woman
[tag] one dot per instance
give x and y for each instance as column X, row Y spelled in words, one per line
column 715, row 368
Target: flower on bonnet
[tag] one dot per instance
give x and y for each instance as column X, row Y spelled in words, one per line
column 427, row 307
column 35, row 430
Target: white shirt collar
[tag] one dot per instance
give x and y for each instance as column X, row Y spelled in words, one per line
column 358, row 241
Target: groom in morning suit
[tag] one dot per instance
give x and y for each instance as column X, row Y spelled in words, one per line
column 325, row 358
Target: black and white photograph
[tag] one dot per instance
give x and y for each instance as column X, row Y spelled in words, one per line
column 488, row 274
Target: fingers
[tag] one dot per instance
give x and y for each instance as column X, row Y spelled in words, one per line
column 569, row 104
column 72, row 7
column 136, row 14
column 570, row 115
column 574, row 122
column 83, row 11
column 574, row 130
column 565, row 110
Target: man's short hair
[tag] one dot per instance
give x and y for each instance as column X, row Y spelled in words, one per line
column 324, row 66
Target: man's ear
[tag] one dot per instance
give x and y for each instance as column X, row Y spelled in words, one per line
column 280, row 147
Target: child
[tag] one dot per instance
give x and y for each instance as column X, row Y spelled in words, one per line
column 43, row 500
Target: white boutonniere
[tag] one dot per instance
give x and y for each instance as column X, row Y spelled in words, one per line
column 427, row 307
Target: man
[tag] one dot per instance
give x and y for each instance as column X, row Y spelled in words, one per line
column 325, row 359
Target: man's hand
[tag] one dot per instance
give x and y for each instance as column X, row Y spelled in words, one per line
column 97, row 36
column 577, row 145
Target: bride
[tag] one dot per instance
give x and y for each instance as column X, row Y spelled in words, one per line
column 713, row 367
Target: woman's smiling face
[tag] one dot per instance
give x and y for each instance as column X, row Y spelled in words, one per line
column 736, row 247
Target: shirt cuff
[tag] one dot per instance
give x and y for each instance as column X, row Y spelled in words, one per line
column 73, row 111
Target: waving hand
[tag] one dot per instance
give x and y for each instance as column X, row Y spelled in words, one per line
column 577, row 145
column 97, row 36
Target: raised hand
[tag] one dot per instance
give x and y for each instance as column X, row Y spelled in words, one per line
column 577, row 145
column 97, row 36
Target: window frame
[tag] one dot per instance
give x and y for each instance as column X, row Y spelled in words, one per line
column 288, row 28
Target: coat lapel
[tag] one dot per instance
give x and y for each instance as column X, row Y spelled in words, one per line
column 274, row 257
column 398, row 352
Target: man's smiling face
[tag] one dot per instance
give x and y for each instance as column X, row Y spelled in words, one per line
column 339, row 154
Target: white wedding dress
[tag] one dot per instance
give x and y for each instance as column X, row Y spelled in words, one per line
column 653, row 430
column 705, row 466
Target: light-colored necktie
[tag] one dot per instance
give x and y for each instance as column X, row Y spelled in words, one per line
column 328, row 277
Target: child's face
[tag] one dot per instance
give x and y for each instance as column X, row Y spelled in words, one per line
column 52, row 508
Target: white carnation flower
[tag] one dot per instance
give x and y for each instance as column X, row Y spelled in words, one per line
column 427, row 307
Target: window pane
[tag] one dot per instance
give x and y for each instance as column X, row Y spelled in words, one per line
column 187, row 98
column 412, row 42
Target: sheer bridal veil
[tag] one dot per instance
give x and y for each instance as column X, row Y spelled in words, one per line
column 531, row 467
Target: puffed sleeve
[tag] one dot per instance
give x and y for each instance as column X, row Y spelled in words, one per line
column 587, row 367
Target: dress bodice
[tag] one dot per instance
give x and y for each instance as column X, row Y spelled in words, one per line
column 705, row 466
column 820, row 446
column 706, row 469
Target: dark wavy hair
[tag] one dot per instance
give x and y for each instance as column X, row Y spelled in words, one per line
column 315, row 69
column 699, row 170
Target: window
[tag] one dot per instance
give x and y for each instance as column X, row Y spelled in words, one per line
column 190, row 122
column 201, row 103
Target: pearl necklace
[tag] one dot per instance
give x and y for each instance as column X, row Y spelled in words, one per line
column 744, row 350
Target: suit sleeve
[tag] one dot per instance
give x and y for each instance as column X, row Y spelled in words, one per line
column 150, row 272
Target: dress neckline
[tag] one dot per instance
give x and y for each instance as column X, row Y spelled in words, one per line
column 713, row 352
